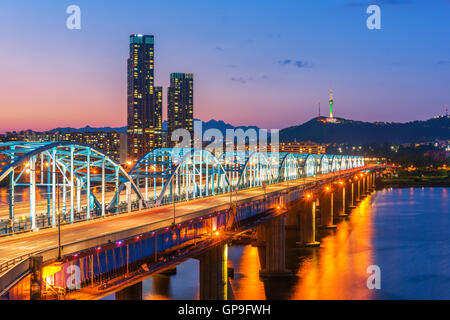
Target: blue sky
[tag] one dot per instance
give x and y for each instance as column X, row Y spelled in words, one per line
column 265, row 63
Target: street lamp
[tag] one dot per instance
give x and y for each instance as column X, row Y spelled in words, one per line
column 58, row 209
column 173, row 201
column 59, row 221
column 58, row 212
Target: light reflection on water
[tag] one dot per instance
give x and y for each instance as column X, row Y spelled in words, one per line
column 404, row 232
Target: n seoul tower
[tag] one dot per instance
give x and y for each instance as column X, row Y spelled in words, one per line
column 331, row 104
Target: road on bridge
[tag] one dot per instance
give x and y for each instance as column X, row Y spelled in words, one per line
column 15, row 246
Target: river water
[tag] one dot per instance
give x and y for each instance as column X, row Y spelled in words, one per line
column 405, row 232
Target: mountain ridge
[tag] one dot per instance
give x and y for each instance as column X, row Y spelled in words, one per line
column 210, row 124
column 320, row 131
column 359, row 132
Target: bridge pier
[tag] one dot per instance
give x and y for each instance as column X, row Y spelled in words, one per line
column 374, row 177
column 370, row 182
column 133, row 292
column 364, row 190
column 344, row 200
column 260, row 243
column 292, row 216
column 308, row 224
column 340, row 199
column 348, row 197
column 326, row 200
column 352, row 195
column 275, row 249
column 358, row 191
column 36, row 277
column 214, row 273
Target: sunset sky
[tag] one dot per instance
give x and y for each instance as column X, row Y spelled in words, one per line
column 255, row 62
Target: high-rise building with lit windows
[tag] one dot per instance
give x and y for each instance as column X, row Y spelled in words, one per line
column 158, row 103
column 143, row 130
column 180, row 104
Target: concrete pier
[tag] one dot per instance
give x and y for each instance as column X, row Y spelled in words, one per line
column 374, row 177
column 260, row 243
column 352, row 192
column 275, row 249
column 308, row 224
column 293, row 214
column 340, row 199
column 358, row 191
column 293, row 219
column 36, row 277
column 326, row 200
column 364, row 190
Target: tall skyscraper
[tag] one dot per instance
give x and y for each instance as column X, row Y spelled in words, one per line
column 144, row 116
column 180, row 104
column 158, row 103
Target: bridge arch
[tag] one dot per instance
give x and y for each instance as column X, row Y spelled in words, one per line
column 179, row 174
column 335, row 163
column 289, row 168
column 307, row 164
column 250, row 169
column 325, row 164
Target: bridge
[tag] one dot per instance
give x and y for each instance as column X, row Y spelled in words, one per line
column 186, row 200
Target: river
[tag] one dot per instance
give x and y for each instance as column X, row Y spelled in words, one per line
column 405, row 232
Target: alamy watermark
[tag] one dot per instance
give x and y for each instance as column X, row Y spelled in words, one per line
column 374, row 280
column 374, row 20
column 73, row 281
column 73, row 22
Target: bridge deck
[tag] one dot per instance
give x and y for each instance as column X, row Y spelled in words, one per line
column 21, row 244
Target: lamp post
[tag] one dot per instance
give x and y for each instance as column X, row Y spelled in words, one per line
column 173, row 201
column 59, row 221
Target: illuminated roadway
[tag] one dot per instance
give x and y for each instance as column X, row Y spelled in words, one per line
column 22, row 208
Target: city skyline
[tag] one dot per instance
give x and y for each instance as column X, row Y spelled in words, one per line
column 245, row 65
column 309, row 159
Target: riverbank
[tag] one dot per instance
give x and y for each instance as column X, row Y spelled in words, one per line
column 416, row 178
column 408, row 183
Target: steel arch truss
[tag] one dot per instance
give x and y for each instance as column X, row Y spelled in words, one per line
column 308, row 164
column 288, row 166
column 168, row 175
column 248, row 169
column 48, row 169
column 325, row 162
